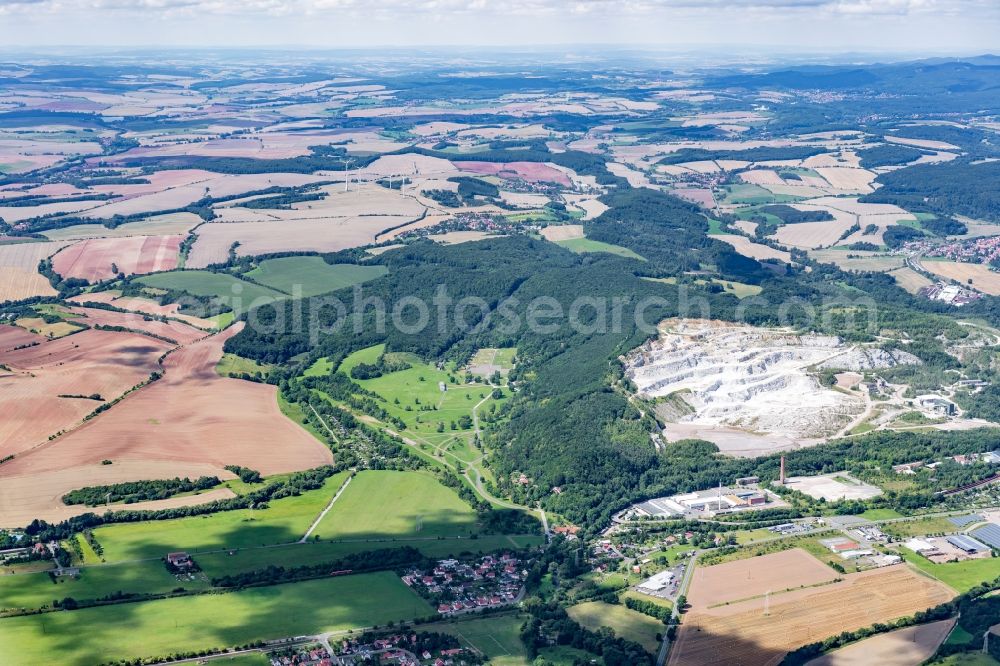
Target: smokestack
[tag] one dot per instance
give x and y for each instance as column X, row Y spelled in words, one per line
column 781, row 478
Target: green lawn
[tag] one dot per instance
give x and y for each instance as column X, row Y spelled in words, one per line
column 967, row 659
column 311, row 275
column 497, row 637
column 386, row 504
column 284, row 521
column 320, row 368
column 584, row 245
column 625, row 622
column 236, row 293
column 960, row 576
column 154, row 628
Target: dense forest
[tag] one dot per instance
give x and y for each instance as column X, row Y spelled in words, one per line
column 953, row 188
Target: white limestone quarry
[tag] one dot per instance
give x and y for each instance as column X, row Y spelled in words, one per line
column 758, row 380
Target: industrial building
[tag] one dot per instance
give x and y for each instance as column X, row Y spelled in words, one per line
column 988, row 534
column 967, row 543
column 656, row 584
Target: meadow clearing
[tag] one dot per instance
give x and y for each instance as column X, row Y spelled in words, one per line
column 626, row 623
column 311, row 275
column 232, row 291
column 585, row 245
column 154, row 628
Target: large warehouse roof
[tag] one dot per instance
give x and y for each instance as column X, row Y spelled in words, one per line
column 989, row 533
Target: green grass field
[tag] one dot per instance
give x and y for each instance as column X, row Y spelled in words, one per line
column 920, row 527
column 283, row 521
column 311, row 275
column 38, row 590
column 497, row 637
column 966, row 659
column 881, row 514
column 585, row 245
column 960, row 576
column 625, row 622
column 414, row 395
column 154, row 628
column 292, row 555
column 238, row 294
column 385, row 504
column 745, row 193
column 231, row 364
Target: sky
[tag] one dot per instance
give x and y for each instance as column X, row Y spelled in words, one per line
column 871, row 26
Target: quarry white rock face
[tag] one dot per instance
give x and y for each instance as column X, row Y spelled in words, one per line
column 754, row 379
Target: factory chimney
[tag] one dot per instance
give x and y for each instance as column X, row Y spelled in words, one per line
column 781, row 478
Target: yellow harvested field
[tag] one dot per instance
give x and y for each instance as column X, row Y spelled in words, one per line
column 157, row 225
column 591, row 207
column 809, row 235
column 847, row 179
column 409, row 165
column 14, row 214
column 318, row 235
column 748, row 248
column 167, row 423
column 910, row 280
column 755, row 576
column 143, row 305
column 904, row 647
column 210, row 184
column 855, row 260
column 982, row 278
column 563, row 232
column 741, row 632
column 87, row 363
column 26, row 497
column 762, row 177
column 921, row 143
column 523, row 199
column 456, row 237
column 19, row 276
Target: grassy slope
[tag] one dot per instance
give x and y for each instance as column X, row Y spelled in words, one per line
column 220, row 285
column 312, row 275
column 384, row 504
column 626, row 622
column 153, row 628
column 284, row 521
column 583, row 245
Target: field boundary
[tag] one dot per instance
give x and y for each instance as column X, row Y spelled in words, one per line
column 325, row 511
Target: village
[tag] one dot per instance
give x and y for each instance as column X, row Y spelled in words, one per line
column 457, row 587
